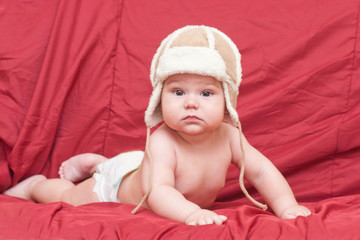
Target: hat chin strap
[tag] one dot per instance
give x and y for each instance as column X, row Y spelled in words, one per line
column 242, row 171
column 241, row 177
column 147, row 150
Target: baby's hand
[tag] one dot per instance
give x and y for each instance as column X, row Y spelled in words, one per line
column 203, row 217
column 294, row 211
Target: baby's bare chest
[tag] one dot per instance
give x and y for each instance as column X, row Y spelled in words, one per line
column 199, row 173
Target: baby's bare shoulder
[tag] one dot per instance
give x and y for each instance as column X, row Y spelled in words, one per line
column 162, row 143
column 232, row 135
column 163, row 133
column 229, row 131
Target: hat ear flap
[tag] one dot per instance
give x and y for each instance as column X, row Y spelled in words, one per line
column 231, row 114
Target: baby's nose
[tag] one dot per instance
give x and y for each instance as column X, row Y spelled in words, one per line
column 191, row 103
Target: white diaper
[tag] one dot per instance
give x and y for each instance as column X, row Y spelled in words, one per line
column 110, row 173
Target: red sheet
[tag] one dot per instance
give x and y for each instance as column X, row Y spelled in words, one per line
column 74, row 78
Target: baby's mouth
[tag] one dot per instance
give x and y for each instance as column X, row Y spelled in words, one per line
column 191, row 118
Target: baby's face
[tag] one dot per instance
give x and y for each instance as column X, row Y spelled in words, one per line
column 192, row 104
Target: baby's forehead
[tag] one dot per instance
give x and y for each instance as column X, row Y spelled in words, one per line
column 192, row 78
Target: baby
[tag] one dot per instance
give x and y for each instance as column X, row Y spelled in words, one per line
column 195, row 73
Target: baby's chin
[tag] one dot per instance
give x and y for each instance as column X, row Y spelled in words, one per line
column 196, row 132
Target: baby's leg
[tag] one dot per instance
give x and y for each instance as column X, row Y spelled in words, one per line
column 40, row 189
column 23, row 189
column 80, row 166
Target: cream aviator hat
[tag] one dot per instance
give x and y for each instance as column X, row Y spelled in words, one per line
column 197, row 50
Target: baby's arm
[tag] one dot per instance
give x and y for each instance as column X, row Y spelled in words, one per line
column 168, row 202
column 270, row 183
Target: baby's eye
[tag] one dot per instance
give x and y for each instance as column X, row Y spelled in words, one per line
column 178, row 92
column 206, row 94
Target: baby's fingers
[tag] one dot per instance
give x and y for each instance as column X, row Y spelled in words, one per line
column 305, row 213
column 297, row 211
column 219, row 219
column 198, row 222
column 205, row 220
column 192, row 223
column 203, row 217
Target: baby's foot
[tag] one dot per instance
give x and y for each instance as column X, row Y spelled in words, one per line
column 80, row 167
column 23, row 189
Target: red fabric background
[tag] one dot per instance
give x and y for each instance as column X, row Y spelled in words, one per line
column 74, row 78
